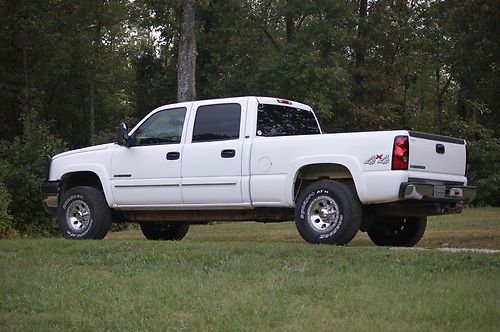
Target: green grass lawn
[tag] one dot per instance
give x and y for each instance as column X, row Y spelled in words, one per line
column 474, row 228
column 251, row 276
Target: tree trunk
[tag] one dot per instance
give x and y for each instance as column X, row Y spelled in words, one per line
column 405, row 97
column 465, row 107
column 93, row 70
column 186, row 64
column 440, row 94
column 290, row 29
column 439, row 102
column 360, row 50
column 92, row 110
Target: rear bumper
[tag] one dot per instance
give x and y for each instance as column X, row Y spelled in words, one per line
column 437, row 193
column 50, row 196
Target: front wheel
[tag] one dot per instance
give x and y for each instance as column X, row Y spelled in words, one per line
column 83, row 214
column 398, row 231
column 164, row 231
column 328, row 212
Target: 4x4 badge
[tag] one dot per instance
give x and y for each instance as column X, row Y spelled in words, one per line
column 378, row 159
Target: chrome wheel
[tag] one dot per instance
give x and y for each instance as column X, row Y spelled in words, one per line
column 78, row 216
column 323, row 213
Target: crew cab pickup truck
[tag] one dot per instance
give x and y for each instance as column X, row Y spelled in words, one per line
column 257, row 159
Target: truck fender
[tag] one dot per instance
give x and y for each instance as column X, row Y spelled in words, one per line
column 348, row 162
column 99, row 170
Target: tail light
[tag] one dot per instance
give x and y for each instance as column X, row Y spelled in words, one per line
column 400, row 153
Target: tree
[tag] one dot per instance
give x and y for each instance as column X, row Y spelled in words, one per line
column 186, row 65
column 360, row 50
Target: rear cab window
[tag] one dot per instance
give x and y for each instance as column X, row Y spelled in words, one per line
column 279, row 120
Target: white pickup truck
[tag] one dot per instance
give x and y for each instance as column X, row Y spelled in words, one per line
column 257, row 159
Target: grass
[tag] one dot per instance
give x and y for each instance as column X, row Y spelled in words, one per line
column 253, row 277
column 474, row 228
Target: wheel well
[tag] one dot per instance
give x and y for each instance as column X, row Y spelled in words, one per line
column 85, row 178
column 311, row 173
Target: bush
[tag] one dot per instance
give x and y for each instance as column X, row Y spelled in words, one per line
column 23, row 169
column 484, row 156
column 6, row 229
column 484, row 160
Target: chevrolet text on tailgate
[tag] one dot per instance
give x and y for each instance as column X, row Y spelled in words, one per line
column 257, row 159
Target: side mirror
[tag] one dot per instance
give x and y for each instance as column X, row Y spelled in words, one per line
column 123, row 135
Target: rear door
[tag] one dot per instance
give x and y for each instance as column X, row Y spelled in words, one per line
column 437, row 154
column 212, row 157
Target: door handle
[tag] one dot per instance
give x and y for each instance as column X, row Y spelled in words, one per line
column 173, row 155
column 229, row 153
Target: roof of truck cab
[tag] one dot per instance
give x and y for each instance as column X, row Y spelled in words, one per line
column 281, row 101
column 260, row 99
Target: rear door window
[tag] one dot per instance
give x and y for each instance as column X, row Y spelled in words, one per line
column 217, row 122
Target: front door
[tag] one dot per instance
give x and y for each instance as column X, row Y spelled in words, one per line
column 148, row 173
column 211, row 163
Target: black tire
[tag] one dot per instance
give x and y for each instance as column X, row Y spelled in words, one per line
column 397, row 231
column 164, row 231
column 83, row 214
column 328, row 212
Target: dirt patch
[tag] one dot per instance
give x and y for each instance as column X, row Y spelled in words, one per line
column 475, row 250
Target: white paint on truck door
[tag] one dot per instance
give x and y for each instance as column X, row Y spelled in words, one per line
column 212, row 161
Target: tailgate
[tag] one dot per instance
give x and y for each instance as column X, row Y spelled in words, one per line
column 437, row 154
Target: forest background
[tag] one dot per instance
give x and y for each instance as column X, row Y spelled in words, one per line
column 70, row 71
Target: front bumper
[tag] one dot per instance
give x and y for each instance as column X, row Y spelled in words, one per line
column 50, row 196
column 437, row 193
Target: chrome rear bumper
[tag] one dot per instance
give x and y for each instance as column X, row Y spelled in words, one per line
column 433, row 192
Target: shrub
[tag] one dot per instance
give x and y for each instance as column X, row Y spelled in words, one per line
column 6, row 229
column 484, row 160
column 484, row 156
column 22, row 170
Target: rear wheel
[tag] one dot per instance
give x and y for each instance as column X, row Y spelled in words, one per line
column 328, row 212
column 397, row 231
column 164, row 231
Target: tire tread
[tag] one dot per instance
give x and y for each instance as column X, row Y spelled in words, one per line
column 100, row 211
column 352, row 214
